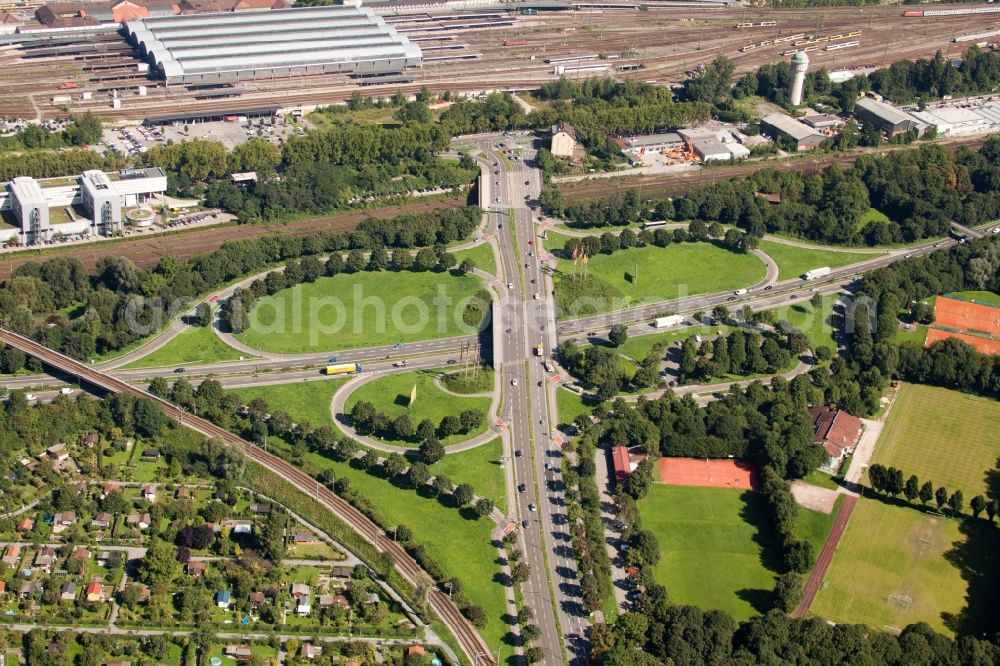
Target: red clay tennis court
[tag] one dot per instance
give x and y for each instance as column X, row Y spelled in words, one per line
column 966, row 316
column 983, row 345
column 711, row 472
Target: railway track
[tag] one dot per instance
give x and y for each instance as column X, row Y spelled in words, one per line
column 468, row 638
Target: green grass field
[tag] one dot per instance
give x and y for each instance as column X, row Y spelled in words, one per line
column 889, row 554
column 480, row 467
column 570, row 405
column 391, row 394
column 794, row 261
column 710, row 548
column 304, row 402
column 817, row 326
column 872, row 215
column 815, row 526
column 945, row 437
column 637, row 347
column 482, row 254
column 360, row 310
column 197, row 344
column 652, row 274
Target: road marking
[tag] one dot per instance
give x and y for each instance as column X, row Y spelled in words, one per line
column 500, row 422
column 555, row 379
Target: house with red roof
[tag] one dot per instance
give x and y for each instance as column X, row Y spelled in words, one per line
column 836, row 431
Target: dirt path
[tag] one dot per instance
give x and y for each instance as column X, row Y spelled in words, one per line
column 825, row 556
column 147, row 251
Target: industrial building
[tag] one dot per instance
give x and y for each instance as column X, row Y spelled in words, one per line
column 779, row 125
column 228, row 46
column 886, row 117
column 41, row 209
column 957, row 121
column 651, row 142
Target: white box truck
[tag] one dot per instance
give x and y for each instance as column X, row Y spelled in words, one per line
column 817, row 273
column 664, row 322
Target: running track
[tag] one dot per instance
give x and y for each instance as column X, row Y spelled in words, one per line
column 825, row 556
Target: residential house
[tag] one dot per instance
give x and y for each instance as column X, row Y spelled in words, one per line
column 149, row 493
column 31, row 588
column 255, row 600
column 68, row 592
column 239, row 652
column 80, row 554
column 138, row 520
column 310, row 651
column 325, row 600
column 29, row 464
column 624, row 462
column 182, row 493
column 836, row 431
column 45, row 558
column 144, row 593
column 238, row 526
column 260, row 509
column 303, row 538
column 58, row 452
column 151, row 454
column 300, row 592
column 564, row 141
column 91, row 440
column 119, row 663
column 3, row 587
column 196, row 569
column 222, row 599
column 95, row 592
column 25, row 525
column 372, row 599
column 340, row 600
column 102, row 520
column 12, row 556
column 62, row 521
column 415, row 650
column 108, row 487
column 341, row 572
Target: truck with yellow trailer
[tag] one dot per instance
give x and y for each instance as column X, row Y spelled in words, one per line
column 343, row 369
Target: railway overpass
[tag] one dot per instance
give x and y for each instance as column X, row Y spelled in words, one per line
column 471, row 643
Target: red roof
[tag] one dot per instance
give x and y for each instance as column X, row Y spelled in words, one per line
column 621, row 461
column 94, row 588
column 415, row 649
column 835, row 431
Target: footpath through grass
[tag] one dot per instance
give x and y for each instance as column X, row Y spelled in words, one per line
column 795, row 261
column 711, row 552
column 651, row 274
column 391, row 395
column 195, row 345
column 946, row 437
column 364, row 309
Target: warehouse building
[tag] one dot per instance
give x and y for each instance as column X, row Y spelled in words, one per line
column 91, row 203
column 222, row 47
column 886, row 117
column 781, row 126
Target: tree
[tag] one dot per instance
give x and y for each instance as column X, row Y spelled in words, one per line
column 442, row 485
column 225, row 462
column 637, row 483
column 799, row 556
column 418, row 475
column 426, row 260
column 788, row 591
column 484, row 507
column 530, row 633
column 426, row 430
column 912, row 488
column 534, row 655
column 159, row 566
column 402, row 427
column 463, row 494
column 618, row 334
column 394, row 465
column 992, row 509
column 956, row 502
column 519, row 572
column 647, row 546
column 926, row 493
column 941, row 497
column 471, row 419
column 270, row 537
column 431, row 450
column 978, row 505
column 450, row 425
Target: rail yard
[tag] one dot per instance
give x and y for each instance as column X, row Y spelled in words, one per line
column 481, row 50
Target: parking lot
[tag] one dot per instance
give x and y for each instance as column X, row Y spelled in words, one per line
column 232, row 134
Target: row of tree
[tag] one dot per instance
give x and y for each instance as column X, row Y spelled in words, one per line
column 889, row 480
column 368, row 420
column 123, row 303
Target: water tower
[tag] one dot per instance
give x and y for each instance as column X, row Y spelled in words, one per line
column 800, row 63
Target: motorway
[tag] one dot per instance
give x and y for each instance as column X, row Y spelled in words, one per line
column 525, row 309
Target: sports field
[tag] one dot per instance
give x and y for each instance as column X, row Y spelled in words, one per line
column 890, row 570
column 652, row 274
column 710, row 548
column 945, row 437
column 363, row 309
column 391, row 394
column 793, row 261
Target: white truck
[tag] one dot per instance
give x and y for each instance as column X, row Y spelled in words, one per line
column 664, row 322
column 817, row 273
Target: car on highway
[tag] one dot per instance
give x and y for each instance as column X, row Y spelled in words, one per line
column 66, row 390
column 30, row 397
column 513, row 382
column 524, row 524
column 398, row 345
column 730, row 299
column 498, row 200
column 769, row 287
column 333, row 359
column 527, row 182
column 517, row 453
column 452, row 361
column 521, row 488
column 534, row 296
column 510, row 285
column 179, row 370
